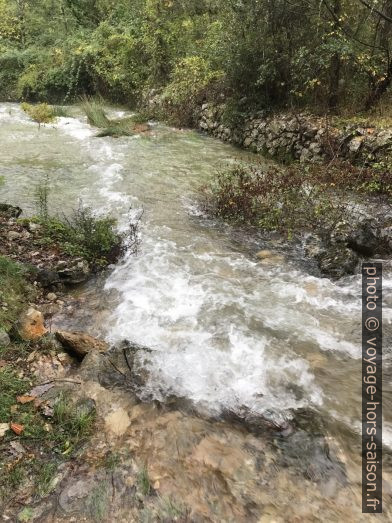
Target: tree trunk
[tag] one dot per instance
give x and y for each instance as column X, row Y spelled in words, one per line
column 385, row 42
column 335, row 65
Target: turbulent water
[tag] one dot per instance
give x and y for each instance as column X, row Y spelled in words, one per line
column 227, row 331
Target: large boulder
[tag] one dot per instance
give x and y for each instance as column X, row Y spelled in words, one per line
column 333, row 258
column 81, row 343
column 370, row 238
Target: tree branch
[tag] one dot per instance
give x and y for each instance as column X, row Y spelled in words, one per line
column 380, row 14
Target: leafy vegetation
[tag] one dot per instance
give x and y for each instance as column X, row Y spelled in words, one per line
column 73, row 423
column 41, row 113
column 143, row 482
column 82, row 233
column 331, row 55
column 85, row 235
column 96, row 116
column 292, row 199
column 14, row 291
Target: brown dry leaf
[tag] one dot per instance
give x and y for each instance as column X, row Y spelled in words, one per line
column 18, row 429
column 13, row 409
column 25, row 399
column 3, row 363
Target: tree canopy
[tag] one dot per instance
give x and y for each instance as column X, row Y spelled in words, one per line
column 328, row 54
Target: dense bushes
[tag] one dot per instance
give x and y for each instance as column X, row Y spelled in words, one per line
column 260, row 54
column 192, row 81
column 85, row 235
column 297, row 198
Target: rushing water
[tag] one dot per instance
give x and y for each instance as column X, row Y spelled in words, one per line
column 226, row 331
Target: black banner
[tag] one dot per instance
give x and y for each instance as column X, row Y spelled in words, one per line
column 372, row 388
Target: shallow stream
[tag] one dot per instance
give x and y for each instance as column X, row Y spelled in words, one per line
column 227, row 331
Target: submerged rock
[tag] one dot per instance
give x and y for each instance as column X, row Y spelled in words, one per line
column 334, row 259
column 81, row 343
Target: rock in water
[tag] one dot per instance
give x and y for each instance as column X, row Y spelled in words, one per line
column 31, row 325
column 10, row 210
column 81, row 343
column 269, row 257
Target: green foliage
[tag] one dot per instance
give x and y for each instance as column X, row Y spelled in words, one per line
column 11, row 386
column 96, row 116
column 41, row 113
column 14, row 291
column 25, row 515
column 261, row 53
column 74, row 422
column 143, row 482
column 95, row 112
column 192, row 81
column 293, row 199
column 44, row 476
column 81, row 234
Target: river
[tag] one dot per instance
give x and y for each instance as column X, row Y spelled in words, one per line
column 227, row 332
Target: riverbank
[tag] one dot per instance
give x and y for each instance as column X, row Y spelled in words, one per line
column 77, row 442
column 292, row 136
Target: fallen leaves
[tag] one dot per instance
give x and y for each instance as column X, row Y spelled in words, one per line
column 16, row 428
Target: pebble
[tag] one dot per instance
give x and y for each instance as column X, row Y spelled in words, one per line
column 51, row 296
column 4, row 339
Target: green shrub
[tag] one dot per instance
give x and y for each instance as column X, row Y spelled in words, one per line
column 95, row 112
column 192, row 81
column 83, row 234
column 41, row 113
column 73, row 423
column 292, row 199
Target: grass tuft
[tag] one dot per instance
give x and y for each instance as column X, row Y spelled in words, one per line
column 73, row 423
column 95, row 112
column 143, row 482
column 14, row 292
